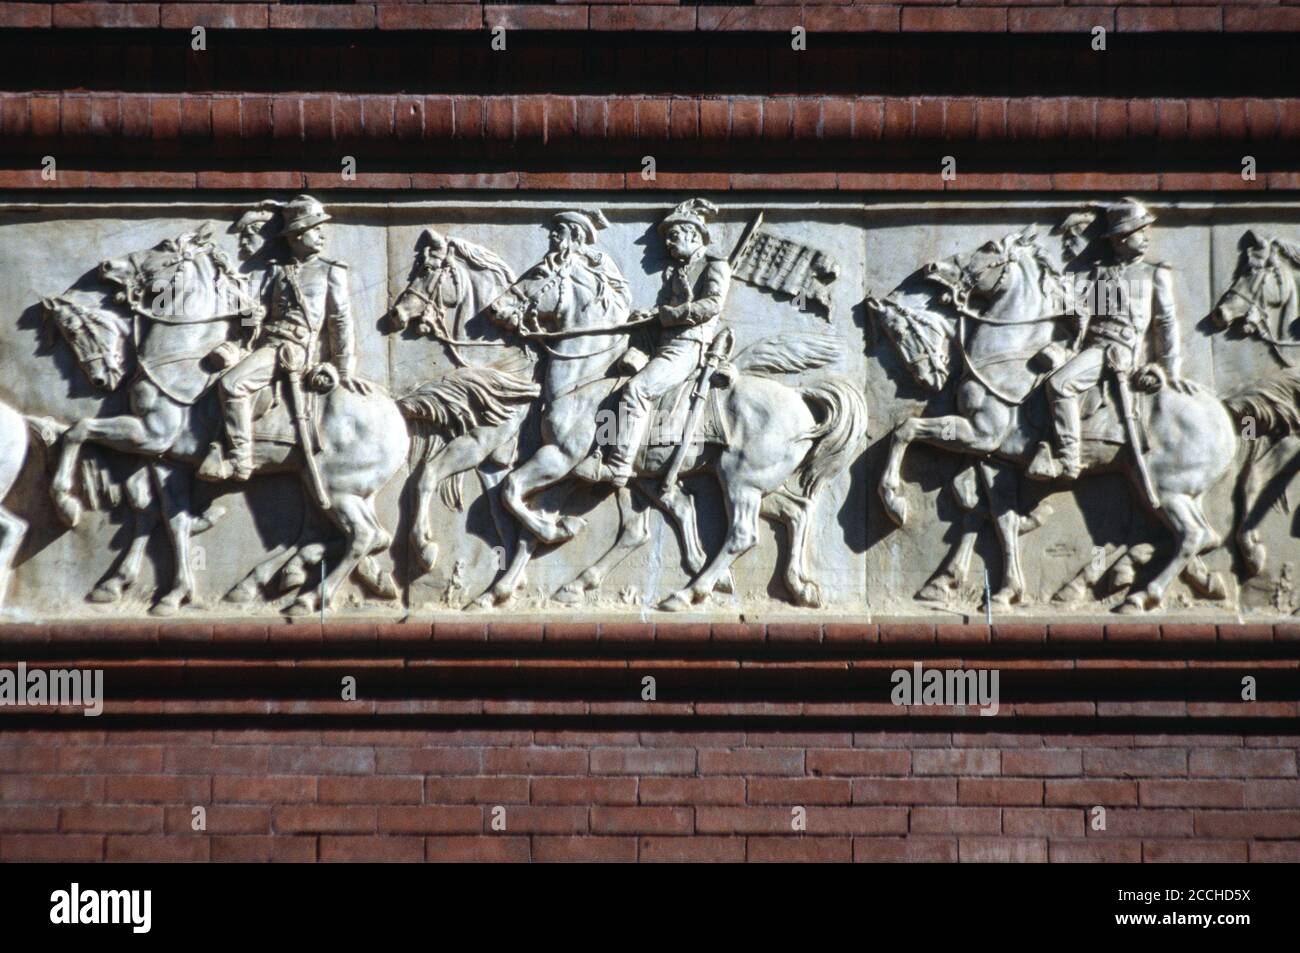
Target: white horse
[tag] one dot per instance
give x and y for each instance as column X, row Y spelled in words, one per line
column 1193, row 441
column 363, row 437
column 783, row 445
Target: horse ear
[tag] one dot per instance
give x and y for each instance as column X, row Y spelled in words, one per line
column 204, row 233
column 48, row 304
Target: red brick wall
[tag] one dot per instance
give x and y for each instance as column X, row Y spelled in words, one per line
column 750, row 721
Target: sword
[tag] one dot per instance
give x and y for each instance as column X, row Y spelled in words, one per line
column 305, row 439
column 1131, row 429
column 718, row 352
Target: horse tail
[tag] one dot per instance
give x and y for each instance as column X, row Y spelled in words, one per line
column 456, row 403
column 841, row 413
column 788, row 354
column 1271, row 406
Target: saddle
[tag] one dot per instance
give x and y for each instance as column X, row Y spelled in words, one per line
column 669, row 417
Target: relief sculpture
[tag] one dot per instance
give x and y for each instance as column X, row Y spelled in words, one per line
column 674, row 406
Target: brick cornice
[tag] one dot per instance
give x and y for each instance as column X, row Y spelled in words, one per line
column 1009, row 16
column 533, row 118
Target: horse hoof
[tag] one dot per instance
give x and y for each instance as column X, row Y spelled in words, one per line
column 70, row 510
column 675, row 603
column 809, row 595
column 895, row 506
column 208, row 520
column 168, row 606
column 426, row 554
column 1214, row 587
column 726, row 585
column 570, row 595
column 1070, row 595
column 481, row 604
column 383, row 586
column 1133, row 605
column 569, row 527
column 294, row 577
column 303, row 605
column 107, row 593
column 242, row 593
column 934, row 592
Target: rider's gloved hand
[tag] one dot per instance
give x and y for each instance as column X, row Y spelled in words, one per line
column 356, row 384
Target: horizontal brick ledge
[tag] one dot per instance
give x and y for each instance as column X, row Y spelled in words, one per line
column 829, row 638
column 542, row 119
column 770, row 16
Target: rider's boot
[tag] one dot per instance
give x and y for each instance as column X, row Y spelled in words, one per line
column 239, row 427
column 1065, row 413
column 594, row 469
column 1044, row 466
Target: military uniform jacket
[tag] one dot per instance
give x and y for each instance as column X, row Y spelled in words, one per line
column 304, row 297
column 1128, row 298
column 695, row 293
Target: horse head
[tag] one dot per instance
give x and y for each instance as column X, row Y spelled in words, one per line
column 1261, row 290
column 541, row 294
column 185, row 277
column 990, row 272
column 922, row 337
column 420, row 300
column 99, row 338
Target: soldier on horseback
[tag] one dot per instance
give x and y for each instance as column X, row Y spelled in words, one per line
column 695, row 286
column 1127, row 296
column 303, row 294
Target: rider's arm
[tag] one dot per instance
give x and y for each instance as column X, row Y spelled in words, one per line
column 715, row 283
column 1164, row 317
column 338, row 312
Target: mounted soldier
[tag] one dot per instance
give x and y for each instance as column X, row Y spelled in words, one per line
column 1128, row 295
column 695, row 286
column 302, row 295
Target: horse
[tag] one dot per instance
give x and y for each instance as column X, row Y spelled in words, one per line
column 363, row 437
column 1263, row 301
column 1192, row 437
column 475, row 412
column 783, row 445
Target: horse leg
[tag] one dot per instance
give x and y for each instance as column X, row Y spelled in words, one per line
column 145, row 518
column 983, row 432
column 633, row 533
column 355, row 516
column 680, row 508
column 549, row 465
column 1263, row 486
column 1001, row 485
column 796, row 515
column 1183, row 514
column 744, row 501
column 462, row 453
column 174, row 492
column 149, row 435
column 13, row 529
column 952, row 574
column 378, row 580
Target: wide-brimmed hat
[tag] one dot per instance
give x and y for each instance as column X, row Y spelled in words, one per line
column 589, row 221
column 259, row 215
column 1125, row 217
column 302, row 213
column 695, row 212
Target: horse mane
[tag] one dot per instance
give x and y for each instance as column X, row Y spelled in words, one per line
column 1273, row 404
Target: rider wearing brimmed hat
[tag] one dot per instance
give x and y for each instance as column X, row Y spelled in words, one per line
column 1128, row 295
column 304, row 294
column 695, row 286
